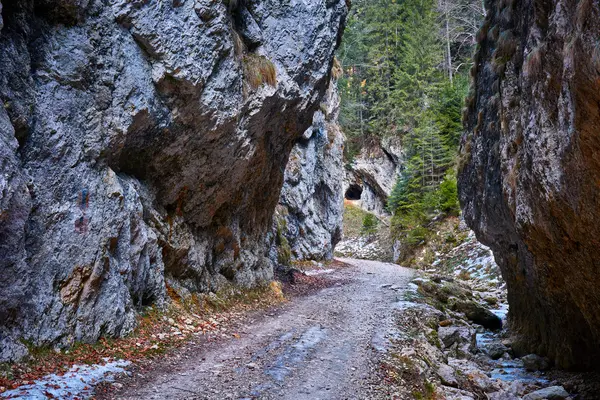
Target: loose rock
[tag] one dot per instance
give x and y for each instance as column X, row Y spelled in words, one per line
column 549, row 393
column 533, row 362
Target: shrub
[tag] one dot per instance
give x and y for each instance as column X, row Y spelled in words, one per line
column 284, row 252
column 369, row 226
column 449, row 196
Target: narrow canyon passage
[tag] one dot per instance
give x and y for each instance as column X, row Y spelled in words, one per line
column 178, row 177
column 323, row 346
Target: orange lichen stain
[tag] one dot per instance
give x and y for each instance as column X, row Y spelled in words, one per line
column 224, row 232
column 220, row 247
column 73, row 286
column 181, row 200
column 236, row 250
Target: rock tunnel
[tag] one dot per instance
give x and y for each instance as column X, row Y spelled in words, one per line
column 353, row 192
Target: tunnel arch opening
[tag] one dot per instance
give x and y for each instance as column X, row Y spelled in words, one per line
column 354, row 192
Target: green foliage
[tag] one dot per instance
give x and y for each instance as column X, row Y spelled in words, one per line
column 369, row 224
column 405, row 66
column 284, row 251
column 390, row 55
column 448, row 193
column 427, row 187
column 358, row 222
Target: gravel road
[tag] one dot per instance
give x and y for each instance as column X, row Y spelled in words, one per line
column 322, row 346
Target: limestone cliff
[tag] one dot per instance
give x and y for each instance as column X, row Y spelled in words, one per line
column 308, row 221
column 371, row 176
column 530, row 173
column 143, row 144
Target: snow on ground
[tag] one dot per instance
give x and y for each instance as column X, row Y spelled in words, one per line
column 77, row 383
column 366, row 248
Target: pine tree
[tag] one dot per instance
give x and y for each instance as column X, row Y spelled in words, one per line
column 405, row 64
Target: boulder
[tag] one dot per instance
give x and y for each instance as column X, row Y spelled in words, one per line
column 549, row 393
column 460, row 335
column 478, row 314
column 451, row 393
column 502, row 395
column 495, row 350
column 533, row 362
column 473, row 373
column 447, row 375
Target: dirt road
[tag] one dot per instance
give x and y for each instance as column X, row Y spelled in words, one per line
column 322, row 346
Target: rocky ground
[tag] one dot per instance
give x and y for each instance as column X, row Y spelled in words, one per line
column 352, row 329
column 324, row 343
column 321, row 346
column 364, row 242
column 453, row 342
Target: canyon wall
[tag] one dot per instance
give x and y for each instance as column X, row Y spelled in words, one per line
column 371, row 176
column 308, row 219
column 529, row 173
column 143, row 146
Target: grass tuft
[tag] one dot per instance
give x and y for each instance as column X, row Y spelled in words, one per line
column 239, row 48
column 465, row 155
column 337, row 71
column 259, row 70
column 507, row 45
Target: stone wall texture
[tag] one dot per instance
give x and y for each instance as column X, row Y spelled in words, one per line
column 375, row 170
column 311, row 207
column 530, row 169
column 143, row 145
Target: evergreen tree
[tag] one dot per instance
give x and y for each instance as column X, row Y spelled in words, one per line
column 405, row 63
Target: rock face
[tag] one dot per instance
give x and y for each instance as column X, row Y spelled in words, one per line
column 143, row 144
column 530, row 173
column 308, row 220
column 373, row 174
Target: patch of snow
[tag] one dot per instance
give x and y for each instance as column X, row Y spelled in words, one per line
column 317, row 272
column 77, row 383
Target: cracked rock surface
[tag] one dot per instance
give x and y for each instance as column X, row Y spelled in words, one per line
column 142, row 146
column 310, row 211
column 529, row 172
